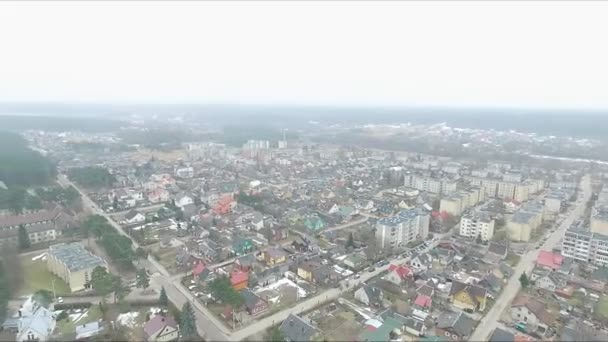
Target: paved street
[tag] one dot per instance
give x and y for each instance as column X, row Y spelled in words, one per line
column 208, row 325
column 526, row 264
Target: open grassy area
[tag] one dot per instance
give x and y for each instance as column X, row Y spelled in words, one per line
column 67, row 326
column 601, row 308
column 37, row 277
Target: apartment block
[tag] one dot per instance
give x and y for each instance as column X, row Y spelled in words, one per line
column 581, row 244
column 477, row 224
column 406, row 226
column 525, row 221
column 426, row 183
column 41, row 226
column 73, row 263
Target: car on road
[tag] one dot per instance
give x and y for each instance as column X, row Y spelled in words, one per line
column 59, row 300
column 371, row 269
column 357, row 276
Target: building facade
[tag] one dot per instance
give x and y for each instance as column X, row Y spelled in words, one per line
column 74, row 264
column 399, row 230
column 474, row 224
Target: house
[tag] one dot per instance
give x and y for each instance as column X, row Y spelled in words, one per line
column 239, row 280
column 501, row 335
column 296, row 329
column 532, row 312
column 85, row 331
column 468, row 296
column 497, row 251
column 491, row 282
column 314, row 223
column 254, row 304
column 427, row 289
column 133, row 217
column 421, row 262
column 550, row 281
column 315, row 272
column 245, row 262
column 274, row 255
column 414, row 326
column 242, row 246
column 201, row 272
column 391, row 326
column 355, row 261
column 161, row 328
column 369, row 295
column 36, row 323
column 224, row 205
column 257, row 221
column 183, row 199
column 423, row 302
column 399, row 274
column 274, row 234
column 549, row 260
column 158, row 195
column 454, row 326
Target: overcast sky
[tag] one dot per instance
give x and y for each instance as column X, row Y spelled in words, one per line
column 541, row 54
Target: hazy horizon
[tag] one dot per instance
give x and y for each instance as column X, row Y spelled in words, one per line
column 353, row 54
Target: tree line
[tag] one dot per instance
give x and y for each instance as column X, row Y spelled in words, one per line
column 117, row 246
column 92, row 176
column 20, row 165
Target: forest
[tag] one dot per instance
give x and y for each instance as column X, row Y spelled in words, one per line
column 20, row 165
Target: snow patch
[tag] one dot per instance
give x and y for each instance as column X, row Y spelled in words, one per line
column 127, row 319
column 41, row 256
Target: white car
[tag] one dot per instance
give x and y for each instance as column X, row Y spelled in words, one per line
column 59, row 300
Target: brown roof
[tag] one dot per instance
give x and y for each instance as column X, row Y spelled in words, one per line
column 535, row 306
column 38, row 216
column 473, row 290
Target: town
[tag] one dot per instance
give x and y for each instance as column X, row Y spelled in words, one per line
column 294, row 239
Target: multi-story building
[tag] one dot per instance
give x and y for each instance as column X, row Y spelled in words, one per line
column 426, row 183
column 74, row 264
column 477, row 224
column 509, row 190
column 184, row 172
column 398, row 230
column 457, row 203
column 525, row 221
column 581, row 244
column 41, row 226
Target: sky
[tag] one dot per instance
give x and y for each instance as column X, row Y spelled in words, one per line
column 497, row 53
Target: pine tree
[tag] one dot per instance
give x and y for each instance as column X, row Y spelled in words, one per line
column 143, row 279
column 351, row 241
column 163, row 299
column 523, row 280
column 24, row 239
column 187, row 325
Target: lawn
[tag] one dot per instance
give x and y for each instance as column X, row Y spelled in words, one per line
column 37, row 277
column 66, row 328
column 601, row 308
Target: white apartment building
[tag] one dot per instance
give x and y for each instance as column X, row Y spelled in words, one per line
column 474, row 224
column 406, row 226
column 430, row 184
column 525, row 221
column 583, row 245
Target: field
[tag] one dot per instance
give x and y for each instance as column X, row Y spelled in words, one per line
column 601, row 308
column 37, row 277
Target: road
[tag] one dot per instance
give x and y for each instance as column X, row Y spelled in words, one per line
column 311, row 303
column 490, row 321
column 208, row 325
column 346, row 225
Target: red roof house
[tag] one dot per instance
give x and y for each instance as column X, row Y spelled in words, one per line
column 239, row 280
column 399, row 274
column 423, row 301
column 549, row 260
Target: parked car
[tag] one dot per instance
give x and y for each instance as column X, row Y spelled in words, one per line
column 59, row 300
